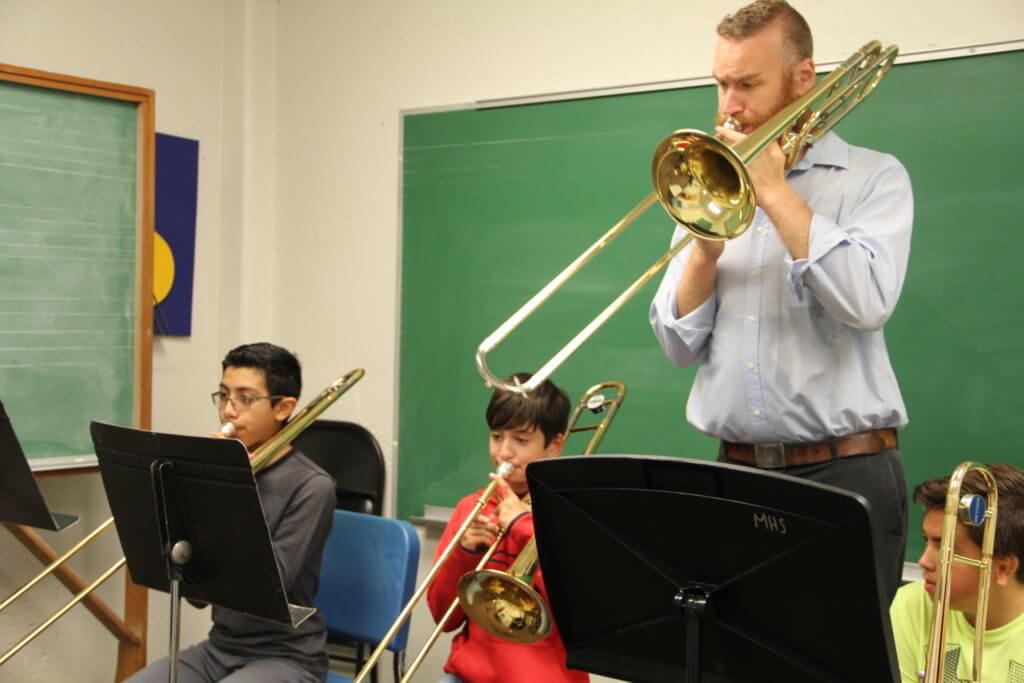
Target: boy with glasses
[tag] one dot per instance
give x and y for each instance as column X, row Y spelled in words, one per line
column 258, row 391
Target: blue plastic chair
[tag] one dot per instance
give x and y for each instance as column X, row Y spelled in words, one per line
column 367, row 576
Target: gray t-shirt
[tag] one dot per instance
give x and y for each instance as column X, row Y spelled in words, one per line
column 298, row 503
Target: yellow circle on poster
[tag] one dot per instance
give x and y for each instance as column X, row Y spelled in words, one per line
column 163, row 268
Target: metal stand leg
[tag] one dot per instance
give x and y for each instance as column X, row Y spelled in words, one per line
column 181, row 553
column 692, row 602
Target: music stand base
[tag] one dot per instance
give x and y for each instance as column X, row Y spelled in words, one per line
column 692, row 602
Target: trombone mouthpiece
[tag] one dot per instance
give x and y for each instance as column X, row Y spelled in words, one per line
column 505, row 469
column 227, row 429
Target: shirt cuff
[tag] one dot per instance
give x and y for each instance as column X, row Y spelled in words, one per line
column 824, row 236
column 520, row 529
column 695, row 324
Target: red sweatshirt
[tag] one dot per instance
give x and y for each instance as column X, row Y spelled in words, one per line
column 477, row 656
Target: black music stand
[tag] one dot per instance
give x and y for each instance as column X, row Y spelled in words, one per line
column 21, row 501
column 191, row 524
column 663, row 569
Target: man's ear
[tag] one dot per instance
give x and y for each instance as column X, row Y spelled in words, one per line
column 284, row 408
column 803, row 76
column 556, row 444
column 1004, row 569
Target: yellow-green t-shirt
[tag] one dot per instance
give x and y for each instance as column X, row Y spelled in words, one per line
column 1002, row 661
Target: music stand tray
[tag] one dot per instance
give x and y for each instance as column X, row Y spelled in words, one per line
column 191, row 524
column 666, row 569
column 21, row 501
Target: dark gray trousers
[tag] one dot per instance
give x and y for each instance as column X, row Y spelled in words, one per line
column 879, row 479
column 204, row 663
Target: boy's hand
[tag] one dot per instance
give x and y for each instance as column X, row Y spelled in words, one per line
column 480, row 534
column 511, row 506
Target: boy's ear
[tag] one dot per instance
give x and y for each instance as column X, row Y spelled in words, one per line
column 1004, row 569
column 557, row 444
column 284, row 408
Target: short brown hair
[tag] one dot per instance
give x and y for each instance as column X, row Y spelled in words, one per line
column 546, row 408
column 759, row 14
column 1010, row 518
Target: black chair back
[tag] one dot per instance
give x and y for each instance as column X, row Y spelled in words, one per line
column 352, row 456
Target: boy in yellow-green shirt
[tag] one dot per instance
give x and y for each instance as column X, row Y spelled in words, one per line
column 1003, row 656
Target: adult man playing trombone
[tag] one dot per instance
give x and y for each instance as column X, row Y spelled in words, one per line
column 786, row 321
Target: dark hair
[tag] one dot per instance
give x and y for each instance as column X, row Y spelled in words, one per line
column 1010, row 518
column 546, row 408
column 280, row 366
column 756, row 16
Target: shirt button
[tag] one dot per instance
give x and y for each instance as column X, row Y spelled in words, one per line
column 750, row 318
column 751, row 366
column 757, row 412
column 760, row 229
column 754, row 273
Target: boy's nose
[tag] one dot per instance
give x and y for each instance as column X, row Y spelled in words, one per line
column 505, row 450
column 927, row 559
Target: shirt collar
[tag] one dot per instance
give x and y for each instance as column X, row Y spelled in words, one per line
column 830, row 150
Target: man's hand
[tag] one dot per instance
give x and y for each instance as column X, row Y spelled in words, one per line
column 790, row 214
column 767, row 170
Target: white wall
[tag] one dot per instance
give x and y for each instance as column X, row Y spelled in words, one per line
column 296, row 105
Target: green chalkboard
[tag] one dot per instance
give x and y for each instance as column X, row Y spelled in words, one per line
column 70, row 259
column 496, row 201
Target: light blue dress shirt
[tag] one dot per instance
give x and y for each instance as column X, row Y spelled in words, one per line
column 793, row 350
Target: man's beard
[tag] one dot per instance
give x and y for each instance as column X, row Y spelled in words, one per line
column 750, row 123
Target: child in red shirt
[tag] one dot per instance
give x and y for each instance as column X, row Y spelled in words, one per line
column 522, row 429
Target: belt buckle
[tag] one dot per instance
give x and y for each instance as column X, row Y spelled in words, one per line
column 770, row 455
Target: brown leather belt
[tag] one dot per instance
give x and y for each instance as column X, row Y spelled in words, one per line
column 778, row 455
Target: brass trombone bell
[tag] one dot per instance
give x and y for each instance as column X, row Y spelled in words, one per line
column 704, row 185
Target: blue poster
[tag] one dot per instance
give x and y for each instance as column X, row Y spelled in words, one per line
column 177, row 180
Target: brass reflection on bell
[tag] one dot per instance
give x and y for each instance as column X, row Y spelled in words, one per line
column 504, row 606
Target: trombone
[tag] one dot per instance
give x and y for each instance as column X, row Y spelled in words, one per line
column 973, row 510
column 592, row 400
column 704, row 185
column 260, row 458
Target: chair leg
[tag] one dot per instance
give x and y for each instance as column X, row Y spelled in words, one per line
column 399, row 665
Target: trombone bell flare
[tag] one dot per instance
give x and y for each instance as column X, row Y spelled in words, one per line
column 504, row 606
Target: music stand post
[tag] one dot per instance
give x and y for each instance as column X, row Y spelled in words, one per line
column 190, row 521
column 21, row 501
column 721, row 573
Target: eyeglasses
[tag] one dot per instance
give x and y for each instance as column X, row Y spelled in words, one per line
column 240, row 403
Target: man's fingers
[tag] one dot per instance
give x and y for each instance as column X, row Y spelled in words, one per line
column 729, row 135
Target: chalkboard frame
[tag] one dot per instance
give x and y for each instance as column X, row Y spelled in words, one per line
column 131, row 654
column 145, row 101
